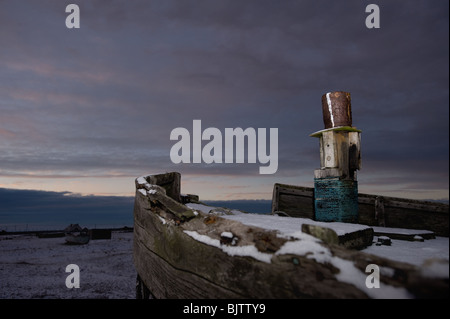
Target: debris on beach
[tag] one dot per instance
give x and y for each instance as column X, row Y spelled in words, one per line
column 75, row 235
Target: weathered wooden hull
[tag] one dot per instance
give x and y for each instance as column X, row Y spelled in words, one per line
column 297, row 201
column 172, row 263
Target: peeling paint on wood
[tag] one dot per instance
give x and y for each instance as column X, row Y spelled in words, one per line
column 336, row 200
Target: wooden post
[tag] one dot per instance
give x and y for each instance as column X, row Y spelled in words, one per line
column 335, row 183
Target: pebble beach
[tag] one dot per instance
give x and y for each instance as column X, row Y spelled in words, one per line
column 35, row 268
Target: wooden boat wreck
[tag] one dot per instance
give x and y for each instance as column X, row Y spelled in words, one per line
column 321, row 248
column 181, row 251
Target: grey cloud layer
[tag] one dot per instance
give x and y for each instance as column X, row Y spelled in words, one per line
column 108, row 95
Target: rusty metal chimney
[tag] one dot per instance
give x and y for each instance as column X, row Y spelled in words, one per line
column 336, row 109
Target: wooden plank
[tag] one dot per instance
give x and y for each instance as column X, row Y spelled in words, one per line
column 327, row 172
column 354, row 150
column 295, row 201
column 343, row 153
column 298, row 201
column 405, row 203
column 339, row 154
column 330, row 145
column 403, row 234
column 173, row 264
column 170, row 182
column 357, row 239
column 165, row 281
column 336, row 129
column 405, row 213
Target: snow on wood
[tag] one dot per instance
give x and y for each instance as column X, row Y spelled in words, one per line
column 247, row 250
column 289, row 226
column 414, row 253
column 269, row 257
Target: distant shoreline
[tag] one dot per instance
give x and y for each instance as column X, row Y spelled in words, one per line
column 36, row 232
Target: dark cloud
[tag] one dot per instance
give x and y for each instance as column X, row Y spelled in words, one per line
column 50, row 209
column 105, row 98
column 31, row 200
column 44, row 210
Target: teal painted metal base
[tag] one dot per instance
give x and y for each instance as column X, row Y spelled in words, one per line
column 336, row 200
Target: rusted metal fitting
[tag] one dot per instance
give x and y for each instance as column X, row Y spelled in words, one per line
column 337, row 109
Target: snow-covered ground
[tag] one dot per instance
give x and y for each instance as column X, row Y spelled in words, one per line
column 32, row 267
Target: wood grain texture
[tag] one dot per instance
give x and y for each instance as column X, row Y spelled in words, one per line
column 172, row 264
column 298, row 201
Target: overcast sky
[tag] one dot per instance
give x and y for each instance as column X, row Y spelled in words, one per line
column 88, row 110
